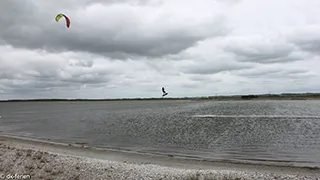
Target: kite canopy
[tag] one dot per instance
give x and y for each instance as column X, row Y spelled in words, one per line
column 59, row 16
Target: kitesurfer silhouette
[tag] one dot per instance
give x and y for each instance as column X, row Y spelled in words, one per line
column 164, row 92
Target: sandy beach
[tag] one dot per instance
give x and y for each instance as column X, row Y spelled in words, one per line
column 23, row 158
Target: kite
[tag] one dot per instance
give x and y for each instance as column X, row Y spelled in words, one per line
column 164, row 92
column 59, row 16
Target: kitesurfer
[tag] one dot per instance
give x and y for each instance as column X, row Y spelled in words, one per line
column 164, row 93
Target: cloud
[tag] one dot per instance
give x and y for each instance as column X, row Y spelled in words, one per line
column 213, row 67
column 113, row 30
column 259, row 49
column 43, row 71
column 307, row 38
column 276, row 72
column 125, row 48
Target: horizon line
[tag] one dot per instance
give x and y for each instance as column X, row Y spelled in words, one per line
column 305, row 94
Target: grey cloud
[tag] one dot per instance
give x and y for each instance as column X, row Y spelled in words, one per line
column 307, row 39
column 197, row 77
column 87, row 78
column 28, row 26
column 263, row 51
column 41, row 82
column 48, row 85
column 276, row 73
column 311, row 45
column 50, row 78
column 266, row 58
column 190, row 85
column 82, row 63
column 205, row 68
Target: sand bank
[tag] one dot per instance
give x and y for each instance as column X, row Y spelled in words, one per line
column 29, row 159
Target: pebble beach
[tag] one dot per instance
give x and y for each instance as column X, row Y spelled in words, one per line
column 29, row 159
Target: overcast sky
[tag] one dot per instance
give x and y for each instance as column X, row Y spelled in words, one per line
column 131, row 48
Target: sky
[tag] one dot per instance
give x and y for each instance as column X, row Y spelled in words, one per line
column 132, row 48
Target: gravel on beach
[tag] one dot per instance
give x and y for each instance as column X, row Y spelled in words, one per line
column 18, row 162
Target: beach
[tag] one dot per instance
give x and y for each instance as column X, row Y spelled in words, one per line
column 23, row 158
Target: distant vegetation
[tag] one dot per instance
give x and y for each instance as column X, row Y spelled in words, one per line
column 283, row 96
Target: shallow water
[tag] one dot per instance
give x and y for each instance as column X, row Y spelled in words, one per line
column 263, row 132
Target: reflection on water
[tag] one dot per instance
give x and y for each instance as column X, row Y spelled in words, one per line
column 276, row 132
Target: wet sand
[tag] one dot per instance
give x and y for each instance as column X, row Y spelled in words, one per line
column 31, row 159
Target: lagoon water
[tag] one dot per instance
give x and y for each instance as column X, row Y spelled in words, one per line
column 262, row 132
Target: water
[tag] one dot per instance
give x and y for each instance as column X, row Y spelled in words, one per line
column 262, row 132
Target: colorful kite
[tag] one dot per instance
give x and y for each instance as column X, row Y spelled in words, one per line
column 59, row 16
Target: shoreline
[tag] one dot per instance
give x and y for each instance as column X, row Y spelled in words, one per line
column 95, row 163
column 182, row 100
column 256, row 97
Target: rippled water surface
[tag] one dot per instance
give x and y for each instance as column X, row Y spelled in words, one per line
column 272, row 132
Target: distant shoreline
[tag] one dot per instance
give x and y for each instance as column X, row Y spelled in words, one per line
column 283, row 96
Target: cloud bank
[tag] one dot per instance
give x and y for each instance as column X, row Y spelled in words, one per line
column 119, row 49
